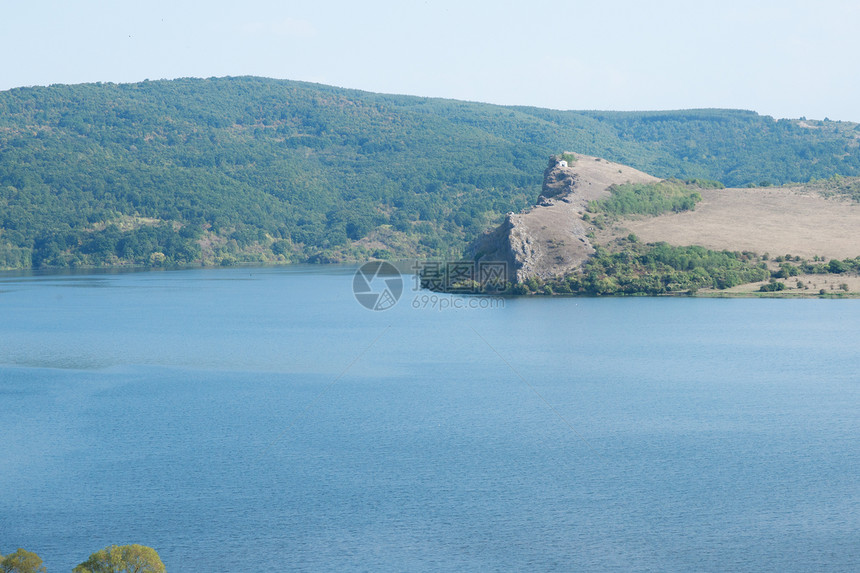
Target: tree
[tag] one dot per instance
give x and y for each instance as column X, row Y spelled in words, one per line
column 123, row 559
column 22, row 561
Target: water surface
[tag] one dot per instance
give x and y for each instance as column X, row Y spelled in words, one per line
column 261, row 419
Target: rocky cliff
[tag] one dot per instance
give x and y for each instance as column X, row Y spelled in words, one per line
column 551, row 238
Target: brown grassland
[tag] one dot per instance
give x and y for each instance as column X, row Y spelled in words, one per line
column 797, row 220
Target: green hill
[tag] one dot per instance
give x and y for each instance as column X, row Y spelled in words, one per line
column 227, row 170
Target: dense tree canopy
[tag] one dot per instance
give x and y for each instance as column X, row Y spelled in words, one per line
column 634, row 268
column 226, row 170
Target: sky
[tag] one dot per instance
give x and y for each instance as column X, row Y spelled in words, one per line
column 781, row 58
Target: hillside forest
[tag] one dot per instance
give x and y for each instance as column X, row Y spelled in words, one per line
column 223, row 171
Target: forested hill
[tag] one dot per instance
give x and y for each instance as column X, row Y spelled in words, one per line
column 249, row 169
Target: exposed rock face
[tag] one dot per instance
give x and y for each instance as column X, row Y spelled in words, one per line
column 551, row 239
column 557, row 180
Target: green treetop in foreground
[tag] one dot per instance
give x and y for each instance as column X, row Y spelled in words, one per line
column 123, row 559
column 22, row 561
column 113, row 559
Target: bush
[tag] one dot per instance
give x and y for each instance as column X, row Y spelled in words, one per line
column 772, row 286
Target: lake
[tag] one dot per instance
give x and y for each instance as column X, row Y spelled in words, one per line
column 262, row 419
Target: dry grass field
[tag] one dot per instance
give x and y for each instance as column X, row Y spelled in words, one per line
column 793, row 220
column 776, row 220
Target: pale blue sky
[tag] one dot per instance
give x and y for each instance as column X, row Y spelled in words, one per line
column 782, row 58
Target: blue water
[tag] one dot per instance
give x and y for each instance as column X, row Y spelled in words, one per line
column 261, row 419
